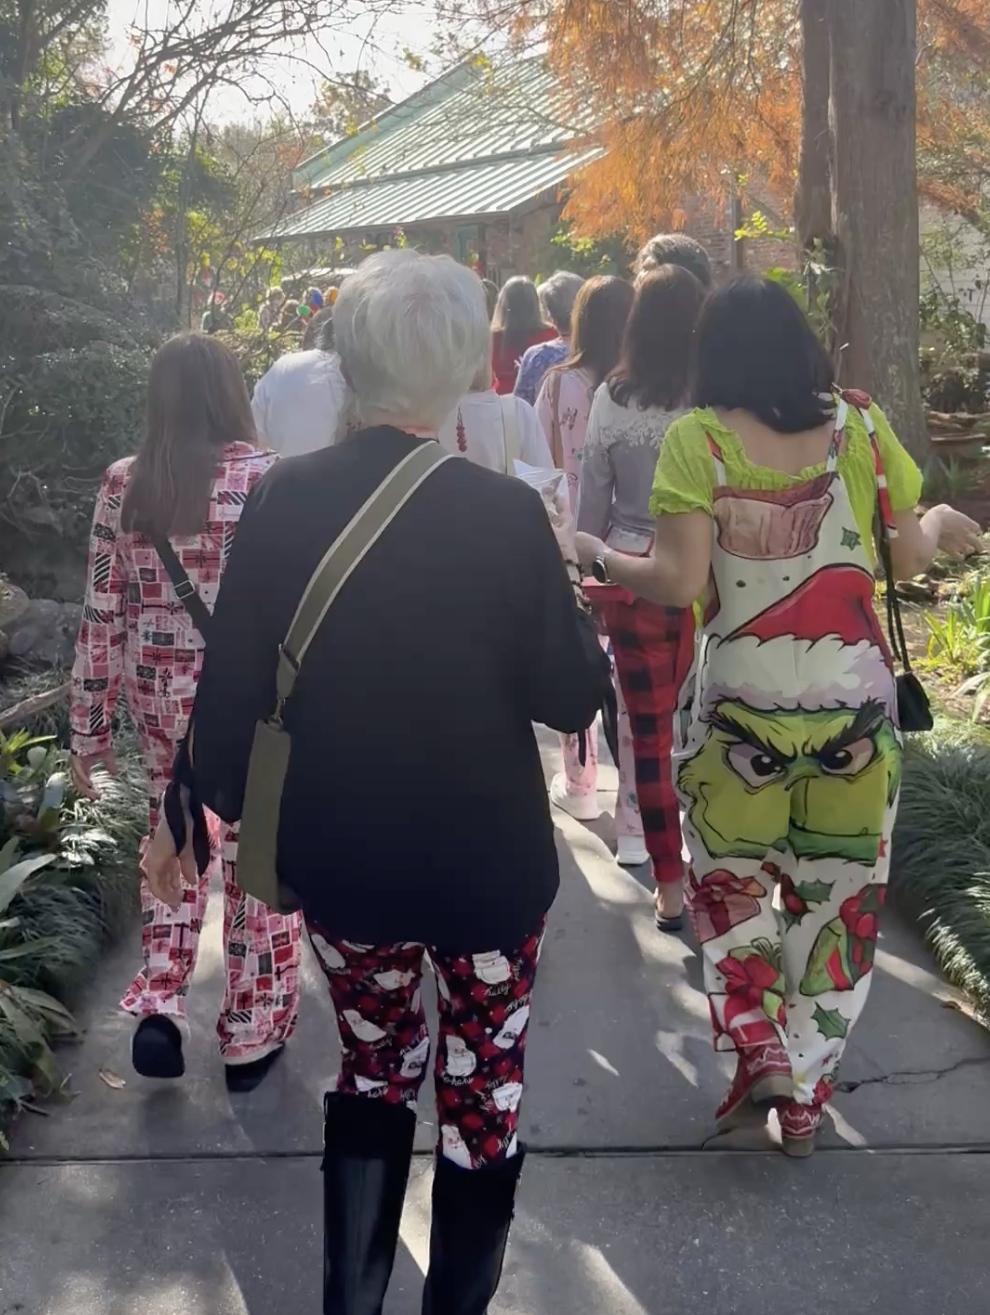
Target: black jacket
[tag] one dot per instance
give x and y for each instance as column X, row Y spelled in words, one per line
column 415, row 807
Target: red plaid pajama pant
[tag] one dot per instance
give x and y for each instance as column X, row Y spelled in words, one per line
column 652, row 647
column 484, row 1004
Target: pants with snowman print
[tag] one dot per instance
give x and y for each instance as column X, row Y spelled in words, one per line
column 484, row 1002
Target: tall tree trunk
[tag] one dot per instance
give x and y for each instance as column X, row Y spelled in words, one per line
column 813, row 203
column 875, row 195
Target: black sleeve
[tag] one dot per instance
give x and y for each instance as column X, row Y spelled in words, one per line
column 565, row 669
column 237, row 685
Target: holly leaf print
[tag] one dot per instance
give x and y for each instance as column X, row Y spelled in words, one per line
column 792, row 919
column 830, row 1022
column 814, row 892
column 850, row 539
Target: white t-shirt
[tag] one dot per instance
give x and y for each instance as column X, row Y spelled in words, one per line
column 476, row 429
column 301, row 404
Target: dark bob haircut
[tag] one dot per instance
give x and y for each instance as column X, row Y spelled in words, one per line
column 757, row 351
column 655, row 366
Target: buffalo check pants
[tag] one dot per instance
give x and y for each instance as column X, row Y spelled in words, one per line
column 484, row 1003
column 652, row 648
column 261, row 948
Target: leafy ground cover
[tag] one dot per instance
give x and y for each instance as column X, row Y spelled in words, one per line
column 67, row 888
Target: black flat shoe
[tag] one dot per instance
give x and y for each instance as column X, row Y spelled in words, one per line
column 673, row 924
column 245, row 1077
column 156, row 1048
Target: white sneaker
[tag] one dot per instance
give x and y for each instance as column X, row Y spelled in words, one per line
column 583, row 807
column 631, row 852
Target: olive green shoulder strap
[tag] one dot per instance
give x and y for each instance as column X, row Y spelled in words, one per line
column 345, row 554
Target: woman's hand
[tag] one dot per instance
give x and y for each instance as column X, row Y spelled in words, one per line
column 588, row 547
column 165, row 871
column 81, row 768
column 957, row 534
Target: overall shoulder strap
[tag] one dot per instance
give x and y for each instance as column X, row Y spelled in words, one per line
column 346, row 553
column 510, row 431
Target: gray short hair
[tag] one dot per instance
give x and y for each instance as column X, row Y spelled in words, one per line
column 558, row 295
column 675, row 249
column 412, row 333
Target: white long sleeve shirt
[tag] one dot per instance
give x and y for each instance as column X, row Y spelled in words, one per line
column 301, row 403
column 475, row 429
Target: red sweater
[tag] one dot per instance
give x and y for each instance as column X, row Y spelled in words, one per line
column 505, row 364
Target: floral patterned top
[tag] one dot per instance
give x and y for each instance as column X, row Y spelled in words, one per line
column 134, row 630
column 620, row 457
column 535, row 363
column 563, row 408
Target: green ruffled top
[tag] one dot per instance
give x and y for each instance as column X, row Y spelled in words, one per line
column 685, row 474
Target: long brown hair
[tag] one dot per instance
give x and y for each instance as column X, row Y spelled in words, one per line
column 655, row 368
column 518, row 315
column 197, row 404
column 597, row 323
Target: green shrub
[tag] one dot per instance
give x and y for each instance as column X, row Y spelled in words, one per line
column 940, row 865
column 68, row 884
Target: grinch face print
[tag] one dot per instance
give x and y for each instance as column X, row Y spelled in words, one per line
column 783, row 777
column 796, row 745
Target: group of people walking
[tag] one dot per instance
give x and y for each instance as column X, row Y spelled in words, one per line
column 392, row 622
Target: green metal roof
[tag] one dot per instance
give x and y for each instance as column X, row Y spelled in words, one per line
column 478, row 141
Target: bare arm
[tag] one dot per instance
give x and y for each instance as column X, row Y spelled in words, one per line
column 677, row 572
column 917, row 541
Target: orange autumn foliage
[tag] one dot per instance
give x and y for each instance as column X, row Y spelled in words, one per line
column 689, row 93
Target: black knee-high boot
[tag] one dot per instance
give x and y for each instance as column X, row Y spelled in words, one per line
column 367, row 1151
column 472, row 1213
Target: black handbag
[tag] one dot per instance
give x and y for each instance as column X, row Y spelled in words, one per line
column 914, row 711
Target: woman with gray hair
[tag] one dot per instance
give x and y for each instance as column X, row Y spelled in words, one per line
column 457, row 629
column 557, row 296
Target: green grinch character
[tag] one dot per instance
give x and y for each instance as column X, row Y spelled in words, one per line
column 800, row 749
column 816, row 782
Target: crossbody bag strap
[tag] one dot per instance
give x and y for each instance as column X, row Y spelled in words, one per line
column 185, row 591
column 345, row 554
column 510, row 432
column 556, row 436
column 885, row 531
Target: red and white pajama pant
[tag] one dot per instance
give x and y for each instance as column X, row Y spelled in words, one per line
column 261, row 948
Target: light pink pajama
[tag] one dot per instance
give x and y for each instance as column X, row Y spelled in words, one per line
column 136, row 634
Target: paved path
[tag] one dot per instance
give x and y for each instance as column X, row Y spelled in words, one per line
column 177, row 1199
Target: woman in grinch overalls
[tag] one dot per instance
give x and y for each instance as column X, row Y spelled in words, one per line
column 787, row 748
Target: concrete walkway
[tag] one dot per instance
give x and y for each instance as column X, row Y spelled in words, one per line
column 177, row 1199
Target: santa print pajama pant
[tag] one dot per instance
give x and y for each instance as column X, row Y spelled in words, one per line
column 484, row 1004
column 653, row 647
column 261, row 948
